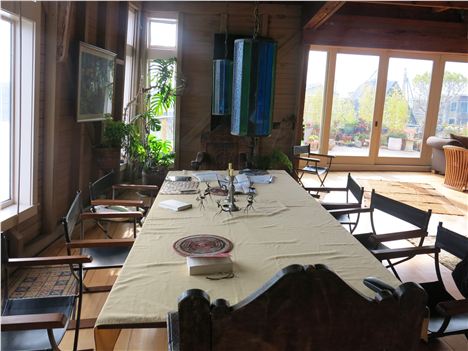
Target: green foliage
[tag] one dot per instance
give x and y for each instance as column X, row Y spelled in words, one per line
column 276, row 160
column 114, row 133
column 366, row 104
column 144, row 148
column 396, row 112
column 163, row 90
column 313, row 107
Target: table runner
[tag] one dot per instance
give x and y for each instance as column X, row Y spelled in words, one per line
column 287, row 226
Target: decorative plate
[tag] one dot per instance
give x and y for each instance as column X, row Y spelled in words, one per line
column 202, row 244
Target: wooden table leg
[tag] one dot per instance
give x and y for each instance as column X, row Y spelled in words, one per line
column 105, row 339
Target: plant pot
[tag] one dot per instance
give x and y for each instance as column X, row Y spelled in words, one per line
column 154, row 177
column 108, row 158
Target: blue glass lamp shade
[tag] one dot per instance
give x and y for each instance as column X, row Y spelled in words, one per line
column 253, row 87
column 222, row 87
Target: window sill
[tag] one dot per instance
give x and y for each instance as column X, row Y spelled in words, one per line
column 9, row 217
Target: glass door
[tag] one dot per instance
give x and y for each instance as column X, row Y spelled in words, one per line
column 353, row 104
column 405, row 108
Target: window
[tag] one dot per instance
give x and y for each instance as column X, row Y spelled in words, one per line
column 131, row 60
column 453, row 96
column 161, row 64
column 17, row 109
column 313, row 104
column 464, row 107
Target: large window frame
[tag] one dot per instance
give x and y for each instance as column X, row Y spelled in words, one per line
column 25, row 73
column 165, row 52
column 131, row 62
column 373, row 161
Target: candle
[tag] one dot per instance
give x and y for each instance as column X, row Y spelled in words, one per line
column 229, row 165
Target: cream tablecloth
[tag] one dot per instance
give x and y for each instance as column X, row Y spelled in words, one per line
column 287, row 226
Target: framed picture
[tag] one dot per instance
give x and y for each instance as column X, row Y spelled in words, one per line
column 95, row 83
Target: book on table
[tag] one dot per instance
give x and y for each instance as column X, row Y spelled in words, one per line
column 209, row 264
column 175, row 205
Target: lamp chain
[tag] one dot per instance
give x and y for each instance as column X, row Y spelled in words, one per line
column 257, row 21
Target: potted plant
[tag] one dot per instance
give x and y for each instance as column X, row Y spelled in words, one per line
column 153, row 155
column 276, row 160
column 113, row 138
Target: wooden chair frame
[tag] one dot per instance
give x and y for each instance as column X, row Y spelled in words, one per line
column 301, row 308
column 47, row 321
column 76, row 216
column 104, row 186
column 312, row 160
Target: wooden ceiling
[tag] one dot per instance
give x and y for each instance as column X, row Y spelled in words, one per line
column 439, row 26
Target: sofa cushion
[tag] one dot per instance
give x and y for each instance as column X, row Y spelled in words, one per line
column 439, row 143
column 462, row 139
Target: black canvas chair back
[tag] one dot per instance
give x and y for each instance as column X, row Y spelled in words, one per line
column 102, row 187
column 407, row 213
column 301, row 149
column 451, row 242
column 72, row 218
column 376, row 240
column 302, row 308
column 355, row 189
column 448, row 316
column 39, row 323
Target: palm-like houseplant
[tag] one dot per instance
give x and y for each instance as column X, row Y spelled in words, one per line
column 154, row 155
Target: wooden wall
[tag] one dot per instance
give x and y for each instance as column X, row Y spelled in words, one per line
column 199, row 22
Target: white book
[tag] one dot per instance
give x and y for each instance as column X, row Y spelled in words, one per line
column 175, row 205
column 209, row 265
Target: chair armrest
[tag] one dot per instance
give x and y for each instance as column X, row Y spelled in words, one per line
column 303, row 158
column 141, row 187
column 339, row 205
column 43, row 261
column 350, row 211
column 100, row 243
column 117, row 202
column 323, row 189
column 104, row 215
column 386, row 254
column 33, row 321
column 409, row 234
column 322, row 155
column 377, row 285
column 452, row 308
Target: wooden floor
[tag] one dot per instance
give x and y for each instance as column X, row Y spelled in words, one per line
column 418, row 269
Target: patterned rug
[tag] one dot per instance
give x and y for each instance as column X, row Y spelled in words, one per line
column 41, row 282
column 420, row 195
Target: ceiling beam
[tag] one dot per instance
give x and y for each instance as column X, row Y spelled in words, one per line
column 322, row 14
column 437, row 6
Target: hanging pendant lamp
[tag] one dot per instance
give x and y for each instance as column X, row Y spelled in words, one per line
column 253, row 84
column 222, row 79
column 253, row 87
column 222, row 87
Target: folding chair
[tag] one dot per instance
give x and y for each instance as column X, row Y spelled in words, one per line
column 106, row 253
column 312, row 163
column 102, row 194
column 448, row 316
column 374, row 241
column 354, row 195
column 40, row 323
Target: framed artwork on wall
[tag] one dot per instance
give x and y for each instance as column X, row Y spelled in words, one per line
column 95, row 83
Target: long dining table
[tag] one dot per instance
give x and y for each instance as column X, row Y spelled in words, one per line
column 285, row 226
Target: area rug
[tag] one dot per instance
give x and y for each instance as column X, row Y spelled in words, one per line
column 420, row 195
column 445, row 258
column 41, row 282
